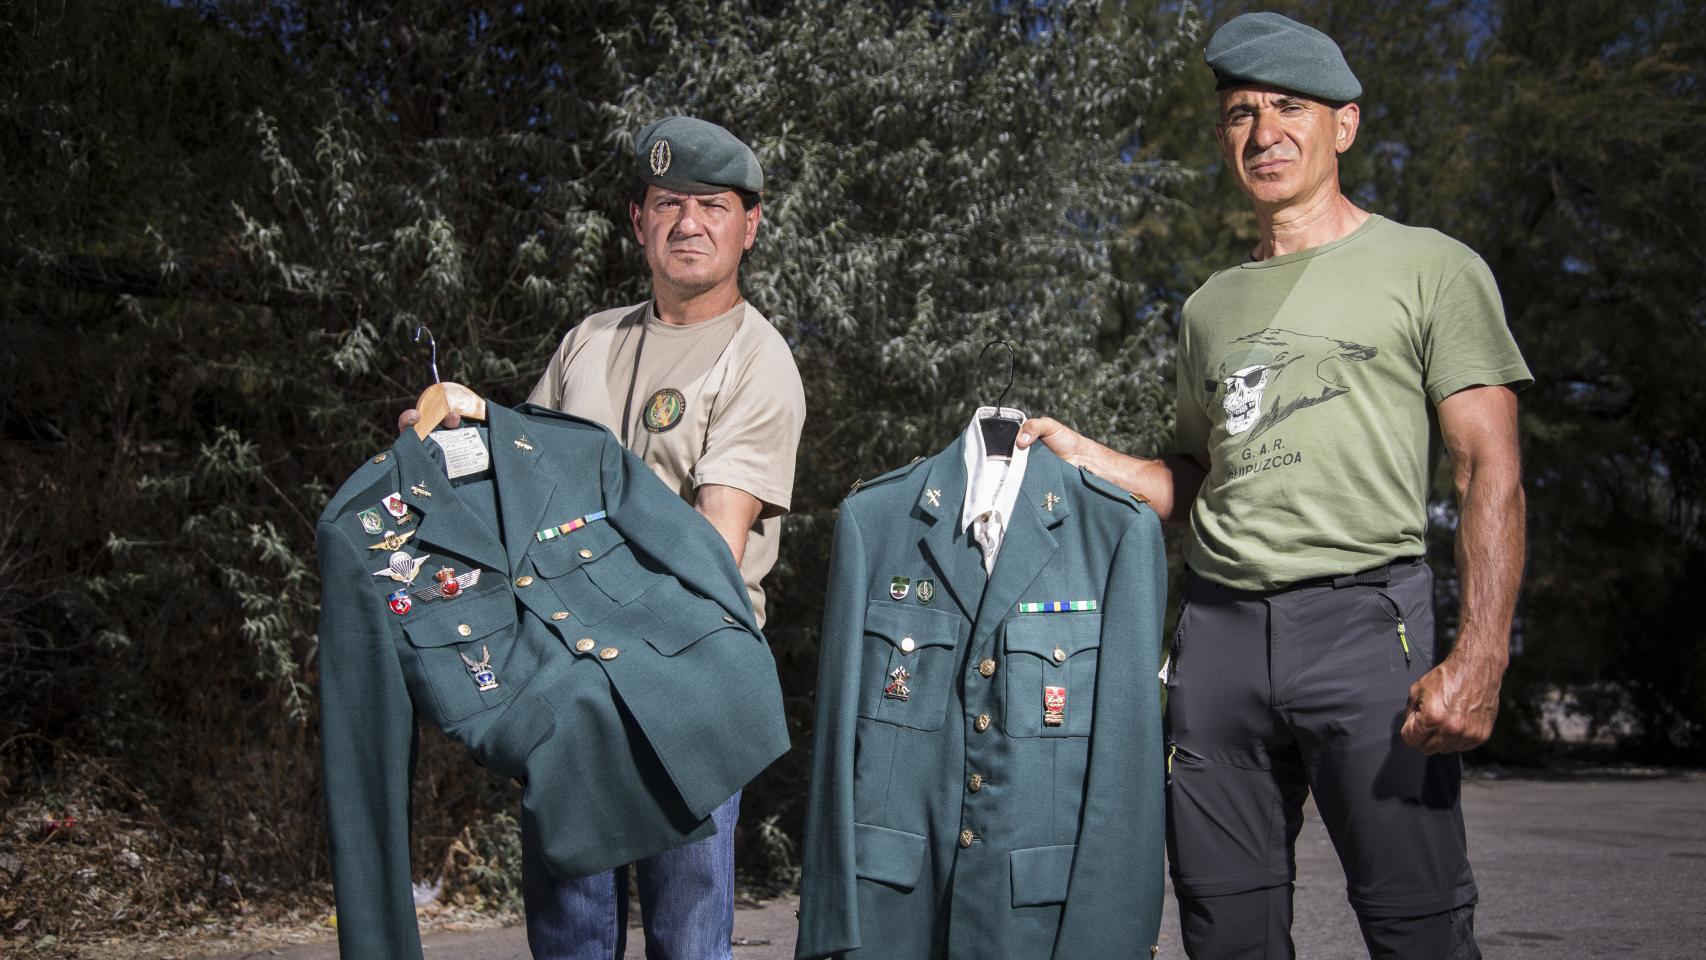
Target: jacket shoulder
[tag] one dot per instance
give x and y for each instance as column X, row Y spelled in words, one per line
column 364, row 484
column 558, row 418
column 898, row 473
column 1107, row 488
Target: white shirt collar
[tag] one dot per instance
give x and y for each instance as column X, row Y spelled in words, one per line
column 992, row 484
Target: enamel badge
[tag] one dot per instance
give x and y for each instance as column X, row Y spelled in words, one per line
column 402, row 567
column 926, row 591
column 395, row 506
column 481, row 669
column 897, row 688
column 449, row 585
column 1054, row 706
column 899, row 587
column 371, row 522
column 399, row 601
column 393, row 540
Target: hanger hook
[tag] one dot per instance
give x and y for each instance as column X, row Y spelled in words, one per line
column 1012, row 357
column 433, row 343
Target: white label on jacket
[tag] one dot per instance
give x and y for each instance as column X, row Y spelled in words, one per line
column 464, row 453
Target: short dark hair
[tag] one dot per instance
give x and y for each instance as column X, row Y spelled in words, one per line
column 637, row 195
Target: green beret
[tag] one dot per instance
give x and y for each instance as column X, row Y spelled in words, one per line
column 689, row 155
column 1275, row 51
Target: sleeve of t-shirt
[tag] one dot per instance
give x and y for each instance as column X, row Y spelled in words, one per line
column 1465, row 340
column 1192, row 423
column 548, row 392
column 755, row 429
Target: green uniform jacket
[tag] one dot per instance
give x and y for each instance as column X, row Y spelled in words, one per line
column 958, row 822
column 614, row 669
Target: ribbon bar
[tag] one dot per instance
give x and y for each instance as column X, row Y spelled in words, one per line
column 1058, row 606
column 552, row 532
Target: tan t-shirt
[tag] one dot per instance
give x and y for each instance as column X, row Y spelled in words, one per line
column 719, row 401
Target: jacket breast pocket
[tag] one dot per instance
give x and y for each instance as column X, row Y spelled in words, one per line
column 593, row 571
column 1051, row 674
column 466, row 655
column 908, row 664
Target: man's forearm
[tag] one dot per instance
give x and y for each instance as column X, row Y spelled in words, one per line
column 1491, row 544
column 1168, row 484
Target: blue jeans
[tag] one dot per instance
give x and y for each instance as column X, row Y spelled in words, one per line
column 687, row 902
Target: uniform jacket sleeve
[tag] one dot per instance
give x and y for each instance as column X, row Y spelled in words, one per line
column 664, row 526
column 829, row 906
column 367, row 735
column 1115, row 892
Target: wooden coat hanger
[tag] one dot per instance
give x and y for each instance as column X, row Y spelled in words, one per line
column 439, row 400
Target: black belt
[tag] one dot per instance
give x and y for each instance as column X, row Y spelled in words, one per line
column 1374, row 576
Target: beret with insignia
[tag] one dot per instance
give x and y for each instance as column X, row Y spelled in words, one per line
column 1276, row 51
column 690, row 155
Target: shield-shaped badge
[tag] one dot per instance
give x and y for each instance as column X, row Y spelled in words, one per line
column 371, row 522
column 926, row 591
column 400, row 602
column 899, row 587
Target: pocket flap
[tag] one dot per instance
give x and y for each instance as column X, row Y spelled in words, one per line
column 897, row 622
column 561, row 554
column 1042, row 874
column 685, row 620
column 482, row 614
column 1042, row 634
column 888, row 856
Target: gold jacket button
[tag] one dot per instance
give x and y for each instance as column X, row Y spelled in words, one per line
column 608, row 653
column 524, row 581
column 379, row 459
column 976, row 783
column 464, row 629
column 560, row 615
column 586, row 554
column 965, row 838
column 987, row 668
column 982, row 722
column 585, row 645
column 1059, row 655
column 907, row 644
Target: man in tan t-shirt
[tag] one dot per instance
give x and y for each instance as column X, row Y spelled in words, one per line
column 702, row 387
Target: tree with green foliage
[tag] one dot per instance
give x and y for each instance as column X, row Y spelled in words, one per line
column 230, row 217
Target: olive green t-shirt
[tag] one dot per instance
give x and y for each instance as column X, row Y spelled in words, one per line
column 1305, row 384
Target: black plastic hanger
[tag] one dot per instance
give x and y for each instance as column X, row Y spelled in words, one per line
column 1000, row 431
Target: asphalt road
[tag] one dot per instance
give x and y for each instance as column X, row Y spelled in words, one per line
column 1586, row 866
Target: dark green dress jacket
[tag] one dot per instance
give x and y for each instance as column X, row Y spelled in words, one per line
column 1005, row 800
column 613, row 667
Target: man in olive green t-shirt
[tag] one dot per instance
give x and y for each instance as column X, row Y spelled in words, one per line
column 1308, row 378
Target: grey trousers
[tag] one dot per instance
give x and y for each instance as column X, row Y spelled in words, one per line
column 1274, row 696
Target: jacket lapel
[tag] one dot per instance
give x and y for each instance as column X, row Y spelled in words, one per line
column 943, row 546
column 1027, row 547
column 524, row 489
column 445, row 521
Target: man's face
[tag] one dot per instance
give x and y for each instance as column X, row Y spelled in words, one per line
column 693, row 242
column 1283, row 147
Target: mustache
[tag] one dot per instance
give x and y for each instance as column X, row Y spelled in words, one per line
column 1268, row 156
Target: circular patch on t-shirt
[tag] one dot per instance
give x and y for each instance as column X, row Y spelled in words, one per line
column 664, row 409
